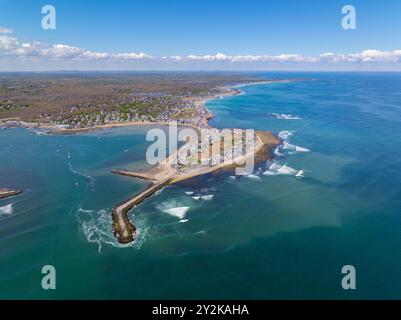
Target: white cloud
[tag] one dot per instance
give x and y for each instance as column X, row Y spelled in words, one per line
column 174, row 58
column 8, row 43
column 6, row 30
column 377, row 55
column 11, row 47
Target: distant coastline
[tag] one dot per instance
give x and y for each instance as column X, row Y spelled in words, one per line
column 199, row 103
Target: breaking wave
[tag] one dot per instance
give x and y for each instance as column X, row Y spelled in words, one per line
column 284, row 135
column 6, row 210
column 96, row 226
column 179, row 212
column 289, row 146
column 286, row 170
column 300, row 174
column 277, row 152
column 282, row 116
column 253, row 176
column 277, row 169
column 207, row 197
column 174, row 208
column 40, row 132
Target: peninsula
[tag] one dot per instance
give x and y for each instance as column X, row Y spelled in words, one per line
column 222, row 152
column 72, row 103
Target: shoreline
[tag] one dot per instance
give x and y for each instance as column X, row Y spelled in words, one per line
column 163, row 174
column 232, row 90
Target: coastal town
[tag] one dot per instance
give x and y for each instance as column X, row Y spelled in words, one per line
column 72, row 104
column 78, row 102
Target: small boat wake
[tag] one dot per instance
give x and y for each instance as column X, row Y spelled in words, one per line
column 91, row 180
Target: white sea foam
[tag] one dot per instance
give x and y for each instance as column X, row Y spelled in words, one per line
column 253, row 176
column 277, row 169
column 196, row 197
column 7, row 209
column 277, row 152
column 178, row 212
column 286, row 170
column 289, row 146
column 282, row 116
column 159, row 191
column 233, row 177
column 300, row 174
column 270, row 173
column 207, row 197
column 85, row 210
column 285, row 134
column 96, row 226
column 189, row 193
column 301, row 149
column 40, row 132
column 274, row 167
column 184, row 220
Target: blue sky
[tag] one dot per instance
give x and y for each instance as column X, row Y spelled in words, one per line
column 299, row 30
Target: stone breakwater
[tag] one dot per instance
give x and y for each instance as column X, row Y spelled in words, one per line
column 5, row 193
column 166, row 173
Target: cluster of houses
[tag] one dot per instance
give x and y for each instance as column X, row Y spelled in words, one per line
column 150, row 107
column 10, row 105
column 215, row 147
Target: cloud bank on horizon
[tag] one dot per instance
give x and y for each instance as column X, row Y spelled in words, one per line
column 25, row 56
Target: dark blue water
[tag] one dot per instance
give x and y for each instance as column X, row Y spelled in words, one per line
column 269, row 235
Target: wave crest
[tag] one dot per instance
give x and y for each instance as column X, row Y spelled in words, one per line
column 7, row 209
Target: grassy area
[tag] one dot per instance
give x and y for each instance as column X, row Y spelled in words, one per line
column 96, row 98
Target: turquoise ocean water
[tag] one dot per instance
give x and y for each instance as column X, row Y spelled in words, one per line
column 264, row 236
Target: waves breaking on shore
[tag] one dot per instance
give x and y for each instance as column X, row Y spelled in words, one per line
column 96, row 226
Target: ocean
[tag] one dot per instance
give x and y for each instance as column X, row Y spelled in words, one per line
column 330, row 198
